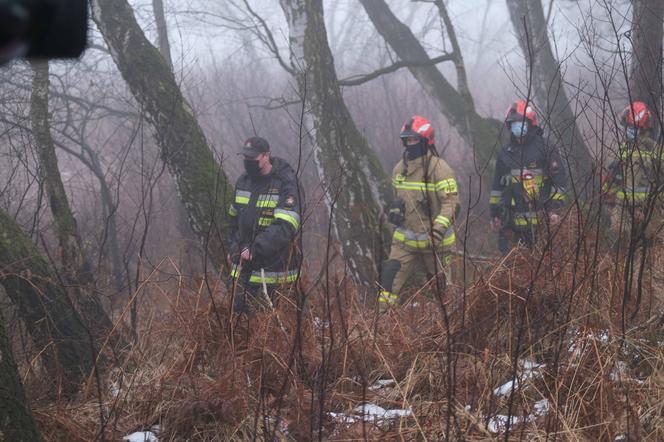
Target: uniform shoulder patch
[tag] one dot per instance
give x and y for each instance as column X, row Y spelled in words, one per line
column 290, row 201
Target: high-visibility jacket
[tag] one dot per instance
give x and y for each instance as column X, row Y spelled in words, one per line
column 638, row 173
column 529, row 178
column 428, row 188
column 265, row 214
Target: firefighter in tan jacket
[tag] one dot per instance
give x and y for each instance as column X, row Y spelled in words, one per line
column 423, row 213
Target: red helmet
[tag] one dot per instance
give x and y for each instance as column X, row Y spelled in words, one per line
column 637, row 114
column 417, row 127
column 517, row 111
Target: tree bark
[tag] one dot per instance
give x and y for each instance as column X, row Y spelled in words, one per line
column 55, row 327
column 356, row 182
column 16, row 421
column 645, row 80
column 77, row 272
column 188, row 250
column 548, row 89
column 202, row 185
column 481, row 133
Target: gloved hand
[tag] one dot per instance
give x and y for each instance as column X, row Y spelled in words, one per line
column 396, row 212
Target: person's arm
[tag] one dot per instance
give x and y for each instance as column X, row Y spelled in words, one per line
column 233, row 240
column 497, row 189
column 447, row 192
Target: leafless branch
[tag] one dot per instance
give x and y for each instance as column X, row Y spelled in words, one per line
column 356, row 80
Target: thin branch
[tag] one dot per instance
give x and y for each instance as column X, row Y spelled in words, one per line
column 268, row 38
column 462, row 78
column 356, row 80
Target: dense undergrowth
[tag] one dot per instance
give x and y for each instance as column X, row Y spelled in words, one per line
column 545, row 345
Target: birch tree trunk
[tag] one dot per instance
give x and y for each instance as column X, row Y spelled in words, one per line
column 202, row 185
column 356, row 183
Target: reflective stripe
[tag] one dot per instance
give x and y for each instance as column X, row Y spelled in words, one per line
column 444, row 221
column 537, row 179
column 242, row 196
column 644, row 153
column 411, row 239
column 557, row 193
column 495, row 196
column 388, row 297
column 449, row 239
column 412, row 185
column 232, row 211
column 270, row 277
column 633, row 195
column 525, row 218
column 448, row 185
column 263, row 222
column 288, row 215
column 267, row 200
column 422, row 240
column 519, row 172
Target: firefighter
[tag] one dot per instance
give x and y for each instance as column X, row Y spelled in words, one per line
column 265, row 217
column 635, row 182
column 528, row 183
column 423, row 213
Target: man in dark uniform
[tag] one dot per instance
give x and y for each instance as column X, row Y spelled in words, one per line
column 528, row 184
column 265, row 215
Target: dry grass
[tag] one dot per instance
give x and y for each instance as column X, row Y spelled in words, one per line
column 201, row 376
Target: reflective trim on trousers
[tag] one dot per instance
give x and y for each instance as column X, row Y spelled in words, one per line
column 388, row 297
column 421, row 240
column 525, row 219
column 270, row 277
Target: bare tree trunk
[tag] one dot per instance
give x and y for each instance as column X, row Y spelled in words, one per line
column 356, row 183
column 547, row 82
column 645, row 81
column 162, row 31
column 188, row 249
column 77, row 271
column 58, row 332
column 458, row 108
column 202, row 185
column 16, row 422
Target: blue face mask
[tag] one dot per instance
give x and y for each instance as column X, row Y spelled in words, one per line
column 519, row 128
column 630, row 132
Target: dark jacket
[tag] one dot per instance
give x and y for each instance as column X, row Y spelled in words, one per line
column 265, row 217
column 529, row 178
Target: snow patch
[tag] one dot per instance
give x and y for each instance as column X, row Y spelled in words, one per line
column 371, row 413
column 382, row 383
column 499, row 422
column 141, row 436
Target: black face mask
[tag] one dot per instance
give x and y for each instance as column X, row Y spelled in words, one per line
column 252, row 168
column 416, row 150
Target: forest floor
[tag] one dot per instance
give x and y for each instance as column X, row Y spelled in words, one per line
column 541, row 345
